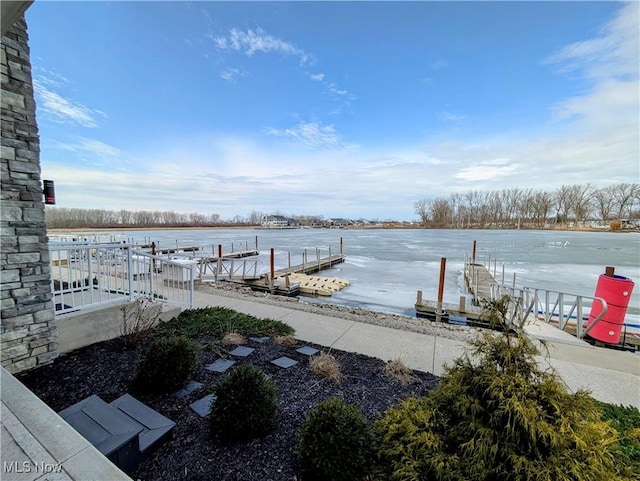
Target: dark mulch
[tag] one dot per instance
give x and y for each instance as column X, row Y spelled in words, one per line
column 107, row 369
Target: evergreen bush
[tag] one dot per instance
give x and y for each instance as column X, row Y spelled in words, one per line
column 496, row 415
column 167, row 364
column 246, row 405
column 626, row 421
column 335, row 443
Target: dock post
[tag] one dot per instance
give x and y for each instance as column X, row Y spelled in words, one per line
column 473, row 255
column 272, row 268
column 419, row 299
column 514, row 280
column 463, row 302
column 609, row 271
column 256, row 242
column 341, row 246
column 439, row 312
column 220, row 251
column 289, row 255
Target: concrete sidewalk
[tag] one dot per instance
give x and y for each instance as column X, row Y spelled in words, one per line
column 611, row 376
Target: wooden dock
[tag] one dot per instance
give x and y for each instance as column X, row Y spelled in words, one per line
column 278, row 281
column 479, row 282
column 312, row 266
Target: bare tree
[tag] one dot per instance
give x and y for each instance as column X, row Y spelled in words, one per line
column 625, row 196
column 604, row 202
column 581, row 197
column 440, row 211
column 421, row 208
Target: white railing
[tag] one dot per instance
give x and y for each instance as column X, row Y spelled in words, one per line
column 87, row 275
column 214, row 270
column 563, row 310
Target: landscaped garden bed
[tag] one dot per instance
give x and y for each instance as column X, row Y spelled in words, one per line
column 108, row 369
column 341, row 416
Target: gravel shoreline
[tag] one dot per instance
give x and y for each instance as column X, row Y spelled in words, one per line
column 358, row 314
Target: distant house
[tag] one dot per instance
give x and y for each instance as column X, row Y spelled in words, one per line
column 340, row 222
column 275, row 222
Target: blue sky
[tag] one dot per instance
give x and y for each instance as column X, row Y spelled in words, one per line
column 341, row 109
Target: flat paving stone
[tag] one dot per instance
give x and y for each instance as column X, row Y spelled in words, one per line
column 202, row 407
column 261, row 340
column 188, row 389
column 242, row 351
column 284, row 362
column 221, row 365
column 307, row 350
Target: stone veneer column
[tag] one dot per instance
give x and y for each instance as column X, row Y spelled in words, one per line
column 28, row 334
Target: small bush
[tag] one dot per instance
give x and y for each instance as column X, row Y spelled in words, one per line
column 138, row 317
column 325, row 365
column 167, row 364
column 234, row 339
column 397, row 370
column 615, row 225
column 286, row 341
column 246, row 405
column 218, row 321
column 335, row 443
column 626, row 421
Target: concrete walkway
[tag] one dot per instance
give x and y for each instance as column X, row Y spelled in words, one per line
column 611, row 376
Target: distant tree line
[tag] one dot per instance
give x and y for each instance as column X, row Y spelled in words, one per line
column 568, row 206
column 72, row 218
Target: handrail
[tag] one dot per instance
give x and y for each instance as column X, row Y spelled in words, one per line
column 551, row 307
column 86, row 275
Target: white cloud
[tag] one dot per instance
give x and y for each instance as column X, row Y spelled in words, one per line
column 231, row 74
column 613, row 53
column 92, row 146
column 451, row 117
column 311, row 135
column 319, row 77
column 251, row 41
column 488, row 170
column 63, row 110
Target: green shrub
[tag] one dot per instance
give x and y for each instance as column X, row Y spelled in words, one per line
column 218, row 321
column 626, row 421
column 335, row 443
column 496, row 415
column 246, row 405
column 167, row 364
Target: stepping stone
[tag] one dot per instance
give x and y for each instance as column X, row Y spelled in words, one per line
column 261, row 340
column 156, row 428
column 112, row 432
column 284, row 362
column 307, row 351
column 242, row 351
column 221, row 365
column 202, row 407
column 188, row 389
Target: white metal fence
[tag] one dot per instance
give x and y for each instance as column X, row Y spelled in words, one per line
column 86, row 275
column 563, row 310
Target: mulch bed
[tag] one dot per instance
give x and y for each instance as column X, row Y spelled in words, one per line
column 107, row 369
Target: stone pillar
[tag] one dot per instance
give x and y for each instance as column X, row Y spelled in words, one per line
column 28, row 334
